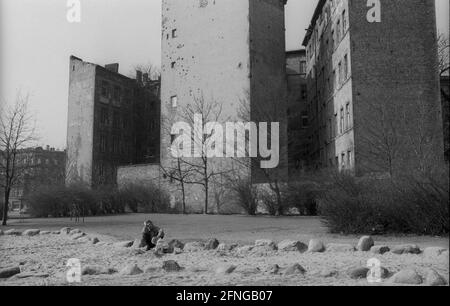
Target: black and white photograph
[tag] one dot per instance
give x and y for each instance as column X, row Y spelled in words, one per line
column 224, row 148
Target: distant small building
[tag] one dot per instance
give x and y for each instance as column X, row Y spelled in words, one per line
column 42, row 167
column 113, row 121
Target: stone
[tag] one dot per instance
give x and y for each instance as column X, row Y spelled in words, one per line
column 212, row 244
column 56, row 233
column 273, row 269
column 95, row 240
column 65, row 230
column 435, row 279
column 244, row 249
column 131, row 269
column 328, row 273
column 31, row 275
column 380, row 249
column 45, row 233
column 433, row 252
column 340, row 248
column 225, row 269
column 9, row 272
column 294, row 270
column 225, row 247
column 407, row 277
column 365, row 244
column 176, row 244
column 358, row 273
column 78, row 236
column 406, row 249
column 177, row 251
column 195, row 246
column 384, row 273
column 316, row 246
column 171, row 266
column 163, row 247
column 75, row 231
column 12, row 232
column 266, row 242
column 124, row 244
column 92, row 270
column 292, row 246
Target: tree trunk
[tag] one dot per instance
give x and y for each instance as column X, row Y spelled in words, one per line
column 5, row 207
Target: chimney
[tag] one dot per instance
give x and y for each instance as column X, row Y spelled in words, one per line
column 139, row 76
column 113, row 67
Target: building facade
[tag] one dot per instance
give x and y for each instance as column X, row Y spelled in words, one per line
column 445, row 99
column 229, row 55
column 113, row 120
column 297, row 113
column 373, row 87
column 40, row 167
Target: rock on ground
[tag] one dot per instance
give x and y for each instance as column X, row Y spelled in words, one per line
column 225, row 269
column 8, row 272
column 132, row 269
column 212, row 244
column 365, row 244
column 316, row 246
column 97, row 270
column 406, row 249
column 358, row 273
column 340, row 248
column 294, row 270
column 31, row 232
column 95, row 240
column 163, row 247
column 265, row 242
column 433, row 252
column 65, row 230
column 176, row 244
column 195, row 246
column 435, row 279
column 78, row 236
column 124, row 244
column 380, row 249
column 273, row 269
column 292, row 246
column 31, row 275
column 171, row 266
column 224, row 247
column 407, row 277
column 12, row 232
column 44, row 233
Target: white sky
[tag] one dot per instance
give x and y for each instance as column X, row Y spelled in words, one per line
column 36, row 41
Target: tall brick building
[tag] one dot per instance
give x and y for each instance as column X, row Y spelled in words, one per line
column 373, row 86
column 297, row 112
column 112, row 120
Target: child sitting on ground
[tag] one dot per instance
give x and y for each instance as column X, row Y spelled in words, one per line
column 150, row 235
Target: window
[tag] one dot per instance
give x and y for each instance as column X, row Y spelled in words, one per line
column 345, row 67
column 103, row 144
column 104, row 116
column 347, row 115
column 117, row 93
column 174, row 33
column 304, row 92
column 105, row 89
column 174, row 101
column 343, row 160
column 172, row 65
column 344, row 21
column 338, row 32
column 116, row 120
column 349, row 159
column 342, row 121
column 339, row 74
column 303, row 67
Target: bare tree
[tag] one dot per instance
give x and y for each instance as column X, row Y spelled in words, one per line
column 16, row 133
column 153, row 71
column 443, row 54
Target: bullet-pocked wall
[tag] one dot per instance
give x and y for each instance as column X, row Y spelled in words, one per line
column 224, row 52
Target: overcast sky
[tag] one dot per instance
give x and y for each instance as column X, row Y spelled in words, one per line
column 36, row 41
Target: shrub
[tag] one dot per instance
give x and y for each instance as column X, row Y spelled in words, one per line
column 246, row 195
column 60, row 201
column 412, row 205
column 302, row 196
